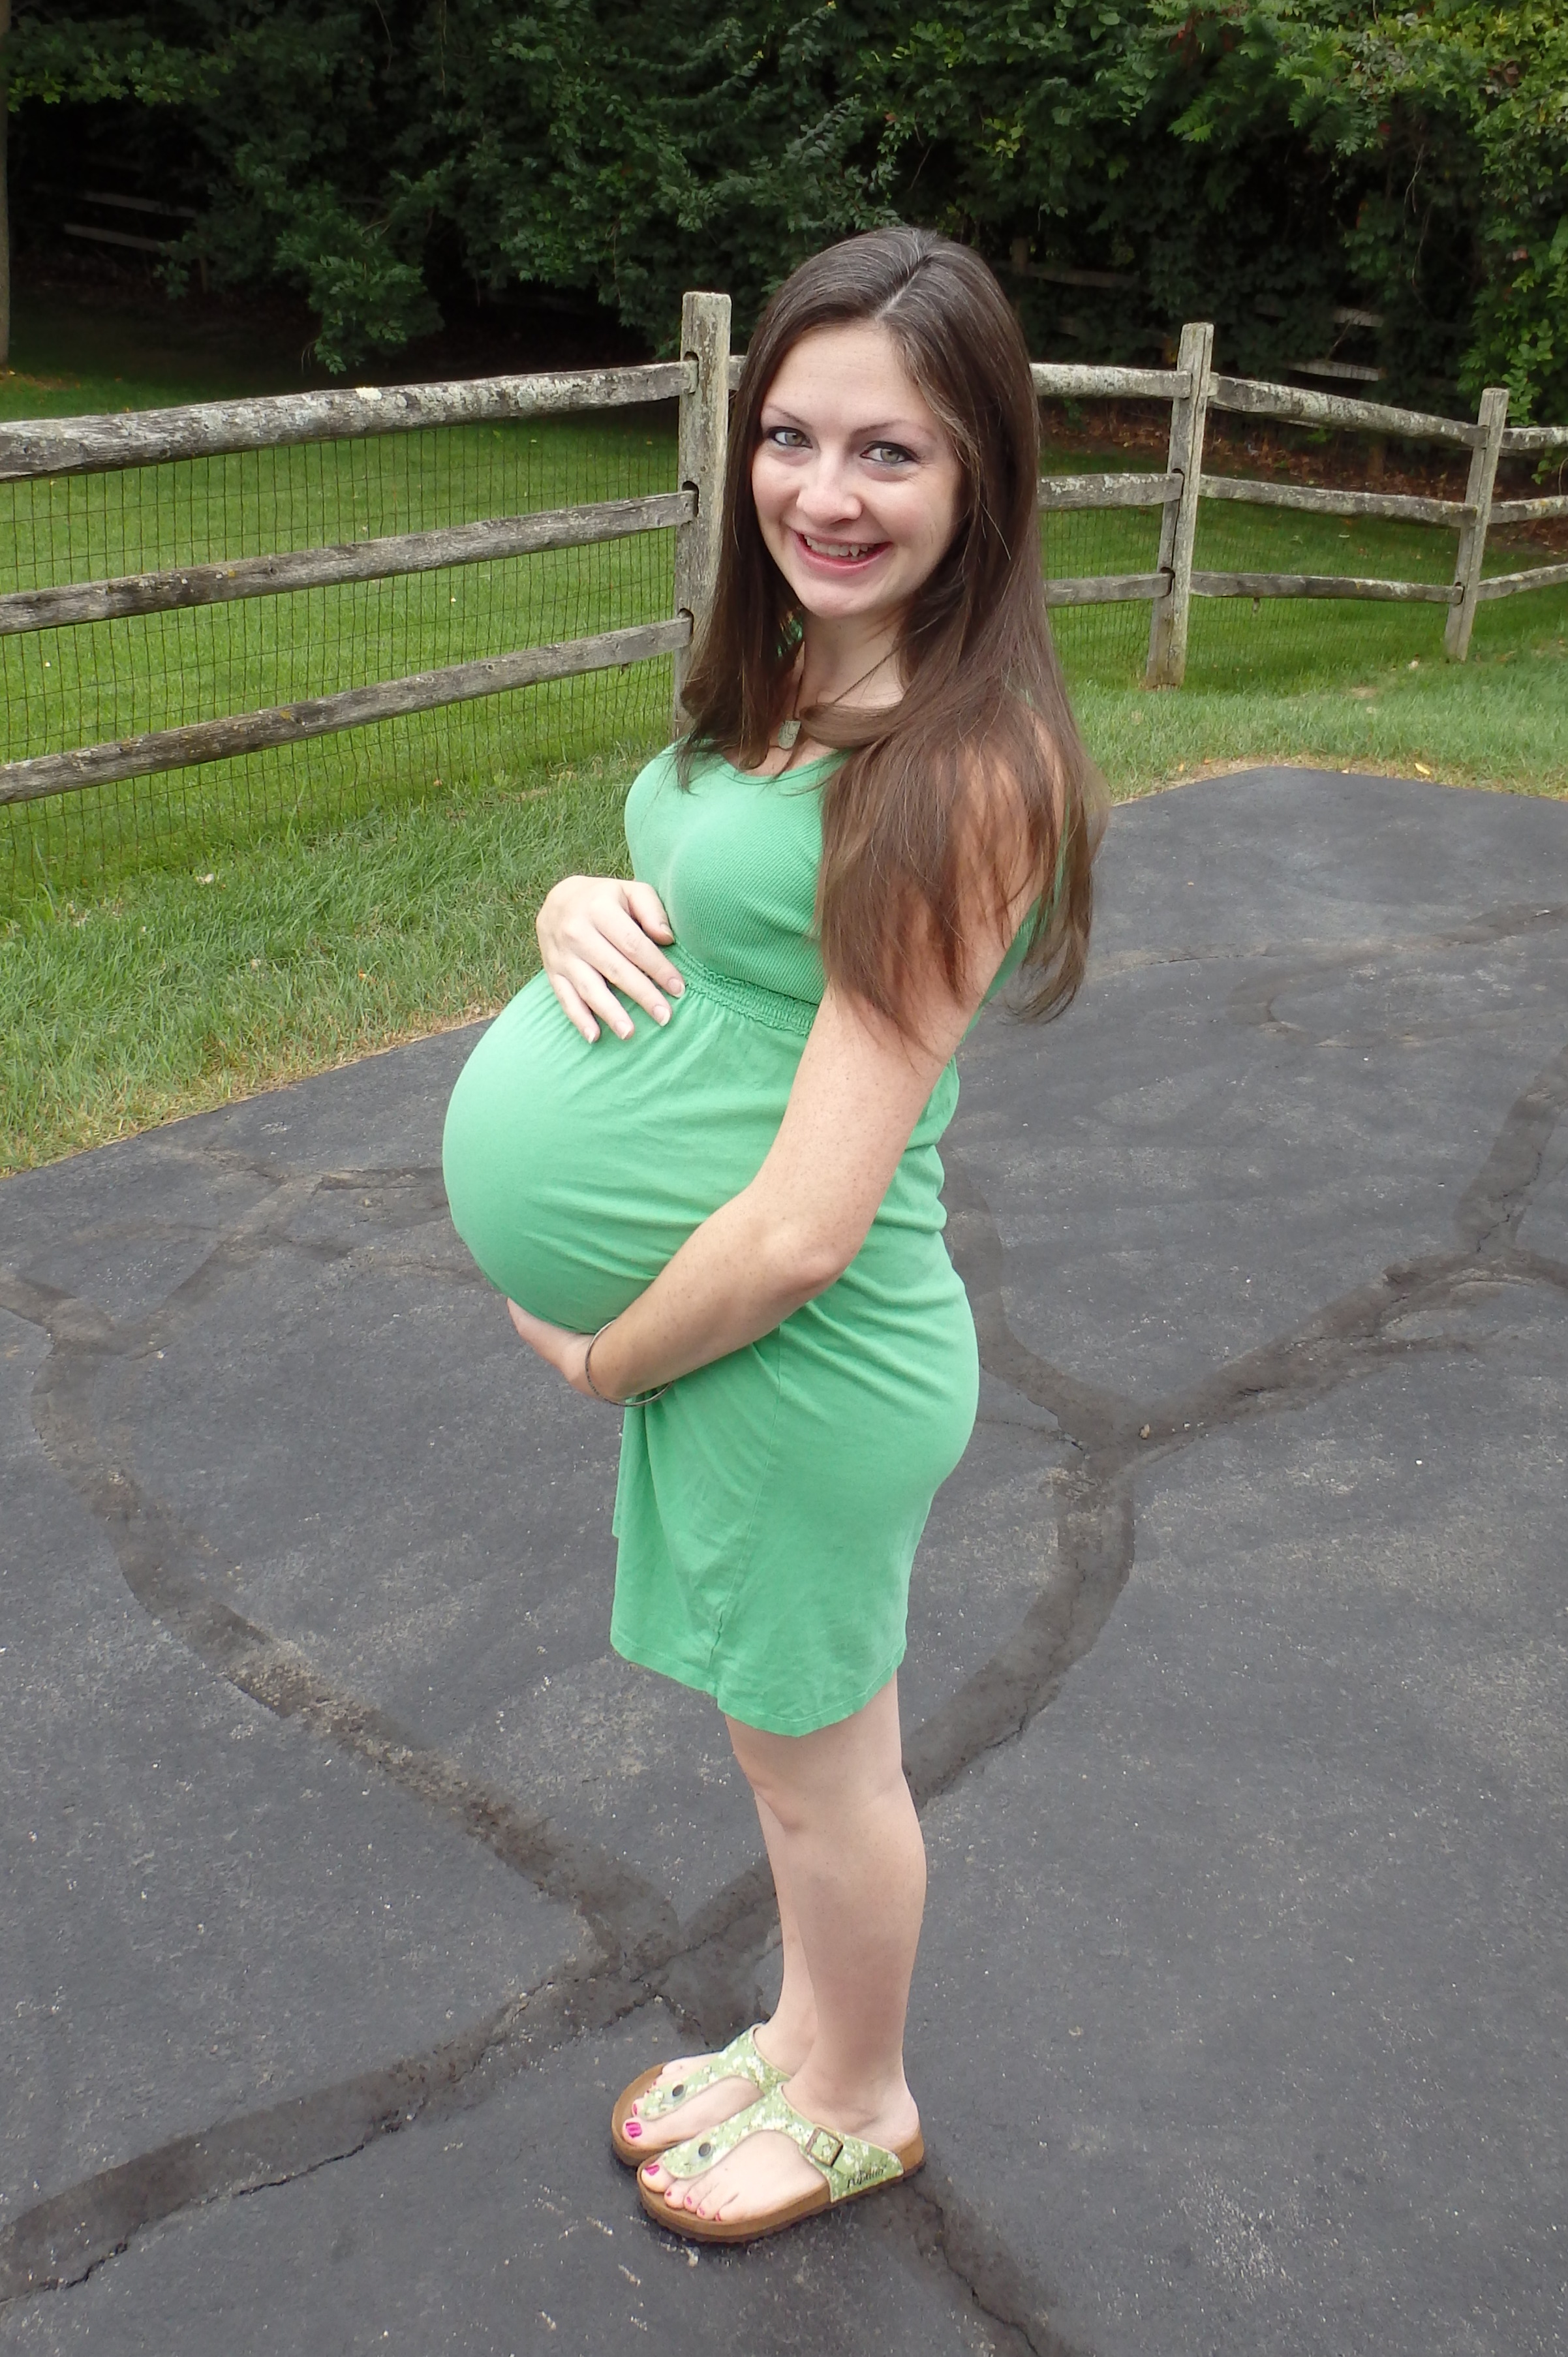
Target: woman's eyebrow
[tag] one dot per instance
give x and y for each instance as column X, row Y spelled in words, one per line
column 897, row 429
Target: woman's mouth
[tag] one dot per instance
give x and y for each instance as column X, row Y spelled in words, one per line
column 843, row 556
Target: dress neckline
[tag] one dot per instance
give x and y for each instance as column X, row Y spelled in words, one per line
column 776, row 777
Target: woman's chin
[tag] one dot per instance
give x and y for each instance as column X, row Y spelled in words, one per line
column 845, row 599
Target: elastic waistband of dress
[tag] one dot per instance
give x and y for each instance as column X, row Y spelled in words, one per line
column 772, row 1007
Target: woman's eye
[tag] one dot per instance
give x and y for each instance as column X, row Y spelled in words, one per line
column 785, row 438
column 890, row 454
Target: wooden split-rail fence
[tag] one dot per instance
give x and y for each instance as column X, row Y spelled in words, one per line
column 700, row 381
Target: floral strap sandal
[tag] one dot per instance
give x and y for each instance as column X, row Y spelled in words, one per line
column 740, row 2059
column 848, row 2169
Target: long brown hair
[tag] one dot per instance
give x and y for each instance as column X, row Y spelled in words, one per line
column 909, row 829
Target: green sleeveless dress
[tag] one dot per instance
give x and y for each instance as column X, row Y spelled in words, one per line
column 769, row 1505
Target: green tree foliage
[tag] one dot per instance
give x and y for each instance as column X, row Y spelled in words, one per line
column 1268, row 163
column 1444, row 130
column 639, row 151
column 301, row 130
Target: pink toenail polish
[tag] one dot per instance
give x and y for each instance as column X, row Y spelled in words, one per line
column 634, row 2127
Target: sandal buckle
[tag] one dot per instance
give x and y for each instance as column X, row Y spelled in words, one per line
column 824, row 2147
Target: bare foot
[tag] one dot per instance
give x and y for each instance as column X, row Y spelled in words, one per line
column 704, row 2110
column 767, row 2171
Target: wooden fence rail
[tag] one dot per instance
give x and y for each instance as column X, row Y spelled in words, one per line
column 1194, row 389
column 700, row 380
column 1308, row 497
column 158, row 437
column 211, row 429
column 1108, row 491
column 1260, row 400
column 325, row 715
column 359, row 560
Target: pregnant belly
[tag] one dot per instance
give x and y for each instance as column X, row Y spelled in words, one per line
column 575, row 1170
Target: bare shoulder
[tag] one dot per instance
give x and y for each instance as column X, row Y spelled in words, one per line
column 1015, row 802
column 1020, row 763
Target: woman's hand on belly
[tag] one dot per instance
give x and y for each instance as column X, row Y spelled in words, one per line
column 598, row 935
column 566, row 1352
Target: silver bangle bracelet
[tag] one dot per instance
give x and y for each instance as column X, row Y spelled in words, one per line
column 638, row 1399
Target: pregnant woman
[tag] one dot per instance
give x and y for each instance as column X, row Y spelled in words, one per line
column 699, row 1151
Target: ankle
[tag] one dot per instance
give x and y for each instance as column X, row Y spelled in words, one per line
column 851, row 2103
column 786, row 2038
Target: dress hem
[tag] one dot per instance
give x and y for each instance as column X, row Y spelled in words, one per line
column 734, row 1705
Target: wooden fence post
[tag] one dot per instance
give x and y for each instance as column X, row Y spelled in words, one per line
column 1179, row 527
column 703, row 434
column 1492, row 418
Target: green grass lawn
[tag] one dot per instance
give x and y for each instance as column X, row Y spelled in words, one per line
column 170, row 943
column 98, row 681
column 72, row 354
column 183, row 992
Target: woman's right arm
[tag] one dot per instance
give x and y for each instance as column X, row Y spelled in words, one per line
column 598, row 935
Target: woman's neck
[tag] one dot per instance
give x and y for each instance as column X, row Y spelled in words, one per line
column 847, row 660
column 836, row 661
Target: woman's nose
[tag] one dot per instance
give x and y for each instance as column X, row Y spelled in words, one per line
column 824, row 495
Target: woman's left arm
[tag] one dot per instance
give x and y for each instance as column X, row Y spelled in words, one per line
column 860, row 1089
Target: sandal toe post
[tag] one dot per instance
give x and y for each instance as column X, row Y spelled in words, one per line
column 739, row 2059
column 848, row 2165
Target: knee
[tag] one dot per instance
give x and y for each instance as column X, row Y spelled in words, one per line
column 844, row 1771
column 805, row 1802
column 789, row 1799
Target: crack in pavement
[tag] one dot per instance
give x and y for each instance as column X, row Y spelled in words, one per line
column 160, row 1562
column 705, row 1970
column 943, row 2227
column 1494, row 1203
column 642, row 1953
column 69, row 2235
column 1252, row 1000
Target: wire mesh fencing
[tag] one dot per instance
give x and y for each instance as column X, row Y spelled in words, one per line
column 1251, row 582
column 1102, row 645
column 93, row 683
column 179, row 718
column 1271, row 645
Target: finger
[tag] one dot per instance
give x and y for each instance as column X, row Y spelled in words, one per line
column 625, row 935
column 598, row 997
column 647, row 912
column 572, row 1008
column 548, row 1340
column 585, row 996
column 617, row 972
column 648, row 909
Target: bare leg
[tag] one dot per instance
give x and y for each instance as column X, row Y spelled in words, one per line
column 784, row 2039
column 853, row 1863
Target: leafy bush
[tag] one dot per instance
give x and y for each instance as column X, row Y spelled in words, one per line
column 1267, row 164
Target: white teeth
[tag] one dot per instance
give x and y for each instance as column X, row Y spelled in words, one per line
column 838, row 548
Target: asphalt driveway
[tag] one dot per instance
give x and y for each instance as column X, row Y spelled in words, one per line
column 348, row 1874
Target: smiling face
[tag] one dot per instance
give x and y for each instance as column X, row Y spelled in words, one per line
column 856, row 483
